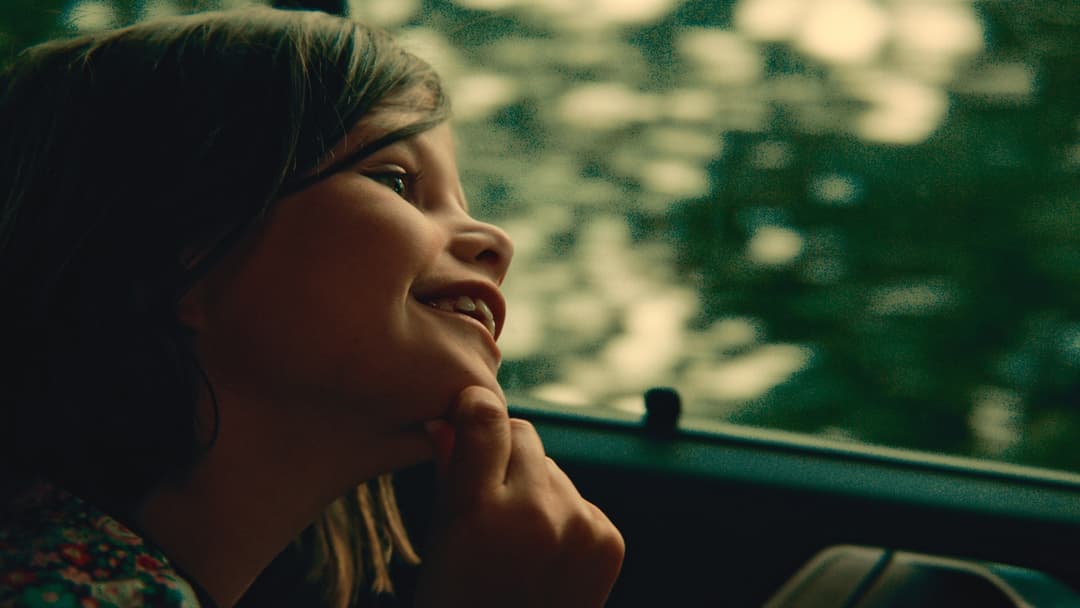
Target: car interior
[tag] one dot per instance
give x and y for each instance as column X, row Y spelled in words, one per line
column 716, row 515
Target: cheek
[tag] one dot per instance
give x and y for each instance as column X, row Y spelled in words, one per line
column 436, row 360
column 324, row 312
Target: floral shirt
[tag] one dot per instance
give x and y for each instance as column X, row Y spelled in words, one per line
column 58, row 551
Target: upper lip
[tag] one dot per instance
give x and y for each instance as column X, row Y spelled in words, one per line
column 477, row 290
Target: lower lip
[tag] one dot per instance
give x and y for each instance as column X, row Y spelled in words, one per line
column 467, row 319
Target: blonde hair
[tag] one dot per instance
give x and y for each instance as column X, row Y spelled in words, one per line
column 354, row 541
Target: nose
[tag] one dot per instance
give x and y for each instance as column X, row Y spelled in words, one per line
column 483, row 245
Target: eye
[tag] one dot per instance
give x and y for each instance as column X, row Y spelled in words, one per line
column 397, row 181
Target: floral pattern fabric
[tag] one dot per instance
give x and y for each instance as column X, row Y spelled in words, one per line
column 58, row 551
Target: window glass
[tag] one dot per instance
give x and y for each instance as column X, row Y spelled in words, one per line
column 855, row 219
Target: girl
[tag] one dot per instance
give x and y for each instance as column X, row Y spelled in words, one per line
column 240, row 282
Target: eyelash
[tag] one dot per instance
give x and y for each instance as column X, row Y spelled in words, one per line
column 402, row 181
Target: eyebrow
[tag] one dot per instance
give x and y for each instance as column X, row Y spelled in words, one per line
column 350, row 158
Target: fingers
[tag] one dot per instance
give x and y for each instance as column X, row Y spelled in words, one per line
column 593, row 555
column 510, row 528
column 481, row 445
column 485, row 448
column 596, row 567
column 609, row 549
column 593, row 548
column 528, row 468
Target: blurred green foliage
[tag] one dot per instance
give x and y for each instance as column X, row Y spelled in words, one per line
column 982, row 219
column 28, row 21
column 936, row 283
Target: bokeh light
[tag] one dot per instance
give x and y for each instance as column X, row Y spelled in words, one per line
column 851, row 218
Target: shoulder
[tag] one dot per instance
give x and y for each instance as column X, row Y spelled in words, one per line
column 59, row 551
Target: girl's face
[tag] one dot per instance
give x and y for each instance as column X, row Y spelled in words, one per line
column 371, row 293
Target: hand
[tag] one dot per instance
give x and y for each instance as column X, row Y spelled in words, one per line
column 510, row 528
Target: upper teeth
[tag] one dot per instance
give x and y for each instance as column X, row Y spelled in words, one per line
column 474, row 307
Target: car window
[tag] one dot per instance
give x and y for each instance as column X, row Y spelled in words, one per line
column 852, row 219
column 855, row 219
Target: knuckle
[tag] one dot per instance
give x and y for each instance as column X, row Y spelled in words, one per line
column 543, row 531
column 582, row 526
column 541, row 518
column 612, row 544
column 605, row 543
column 600, row 531
column 485, row 411
column 522, row 426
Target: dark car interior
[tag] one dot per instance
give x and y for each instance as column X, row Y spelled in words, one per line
column 725, row 517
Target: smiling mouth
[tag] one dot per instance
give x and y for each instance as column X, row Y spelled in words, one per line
column 474, row 308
